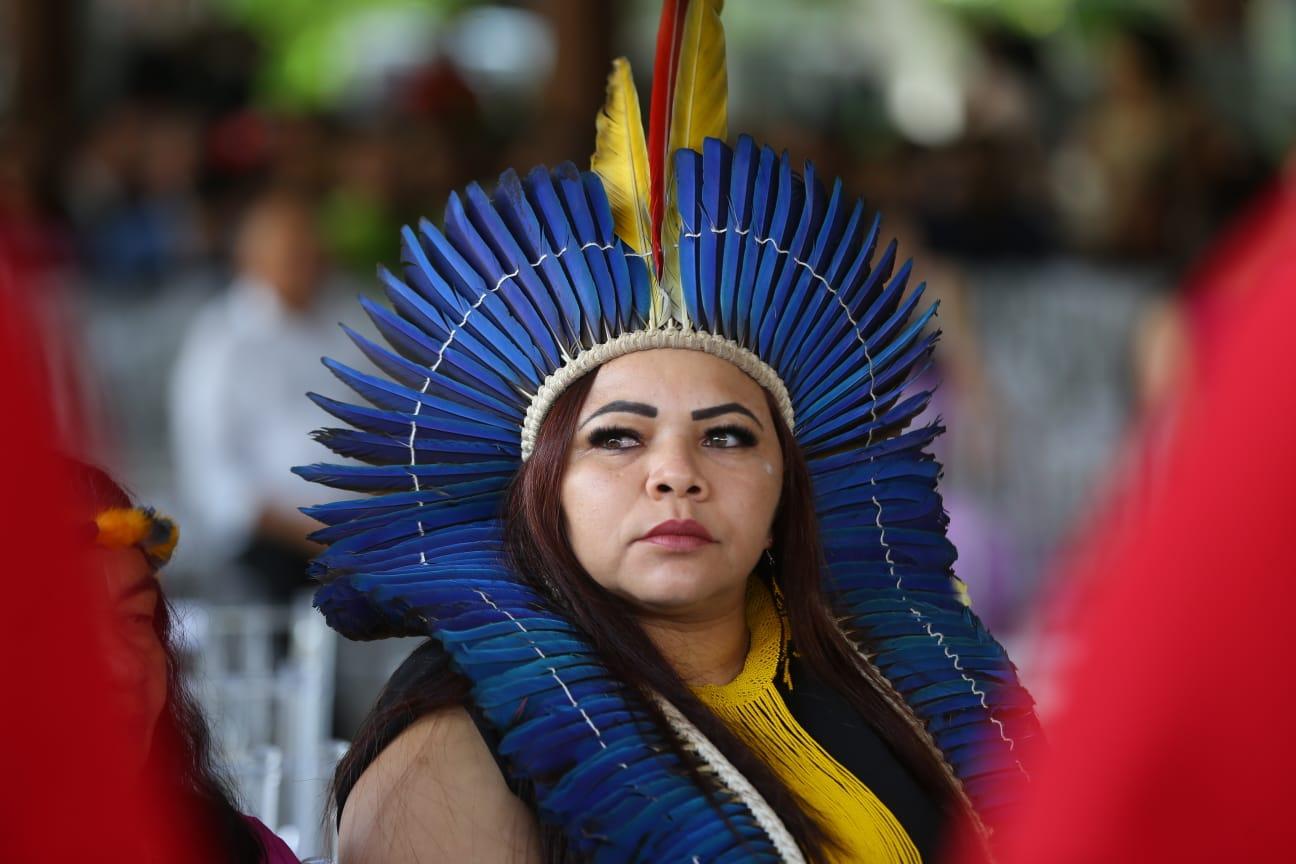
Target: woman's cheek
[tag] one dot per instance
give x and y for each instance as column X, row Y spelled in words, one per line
column 156, row 688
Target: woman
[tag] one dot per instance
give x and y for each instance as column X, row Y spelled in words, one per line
column 646, row 483
column 172, row 747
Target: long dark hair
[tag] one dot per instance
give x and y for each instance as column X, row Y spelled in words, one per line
column 180, row 756
column 541, row 553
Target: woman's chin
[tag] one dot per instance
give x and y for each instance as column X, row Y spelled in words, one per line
column 677, row 590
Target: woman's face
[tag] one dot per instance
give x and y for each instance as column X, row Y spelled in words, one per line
column 672, row 481
column 136, row 658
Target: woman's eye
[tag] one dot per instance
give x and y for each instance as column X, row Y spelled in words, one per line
column 137, row 621
column 726, row 437
column 613, row 439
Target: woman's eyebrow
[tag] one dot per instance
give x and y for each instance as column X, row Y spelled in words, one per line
column 627, row 407
column 727, row 408
column 148, row 583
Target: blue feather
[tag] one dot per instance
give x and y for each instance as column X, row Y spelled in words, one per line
column 869, row 289
column 773, row 257
column 640, row 291
column 878, row 359
column 513, row 207
column 424, row 276
column 735, row 219
column 571, row 191
column 860, row 409
column 396, row 424
column 392, row 478
column 482, row 246
column 848, row 335
column 385, row 450
column 836, row 318
column 687, row 193
column 716, row 158
column 795, row 280
column 411, row 343
column 521, row 275
column 493, row 348
column 417, row 377
column 543, row 195
column 753, row 249
column 394, row 397
column 811, row 293
column 616, row 255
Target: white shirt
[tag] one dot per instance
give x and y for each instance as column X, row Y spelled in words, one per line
column 240, row 416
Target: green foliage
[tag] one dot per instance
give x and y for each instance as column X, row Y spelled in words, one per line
column 306, row 59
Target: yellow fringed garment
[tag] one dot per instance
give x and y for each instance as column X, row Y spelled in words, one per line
column 753, row 709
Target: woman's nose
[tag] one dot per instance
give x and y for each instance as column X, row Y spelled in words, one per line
column 675, row 471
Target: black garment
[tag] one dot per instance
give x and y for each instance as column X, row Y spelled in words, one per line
column 834, row 724
column 822, row 712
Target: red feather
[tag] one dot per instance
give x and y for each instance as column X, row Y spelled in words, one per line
column 669, row 33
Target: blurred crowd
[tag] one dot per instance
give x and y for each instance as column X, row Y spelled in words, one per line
column 196, row 237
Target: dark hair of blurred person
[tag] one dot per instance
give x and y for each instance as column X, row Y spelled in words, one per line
column 173, row 748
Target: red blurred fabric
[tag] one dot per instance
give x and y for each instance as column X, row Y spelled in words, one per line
column 66, row 793
column 1174, row 740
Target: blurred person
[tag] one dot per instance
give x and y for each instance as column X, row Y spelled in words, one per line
column 1170, row 740
column 58, row 766
column 171, row 743
column 238, row 422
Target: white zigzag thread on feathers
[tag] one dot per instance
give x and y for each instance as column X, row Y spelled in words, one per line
column 599, row 735
column 566, row 690
column 760, row 809
column 940, row 640
column 552, row 670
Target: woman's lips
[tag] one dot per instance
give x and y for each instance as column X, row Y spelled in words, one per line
column 677, row 542
column 679, row 535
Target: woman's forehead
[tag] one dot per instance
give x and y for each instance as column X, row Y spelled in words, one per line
column 674, row 376
column 125, row 571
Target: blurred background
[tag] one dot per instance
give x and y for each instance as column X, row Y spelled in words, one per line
column 197, row 190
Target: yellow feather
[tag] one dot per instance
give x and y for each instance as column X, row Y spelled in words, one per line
column 120, row 527
column 701, row 105
column 621, row 158
column 698, row 111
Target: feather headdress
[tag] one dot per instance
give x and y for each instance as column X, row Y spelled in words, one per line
column 674, row 239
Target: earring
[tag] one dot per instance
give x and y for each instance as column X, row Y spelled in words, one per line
column 779, row 604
